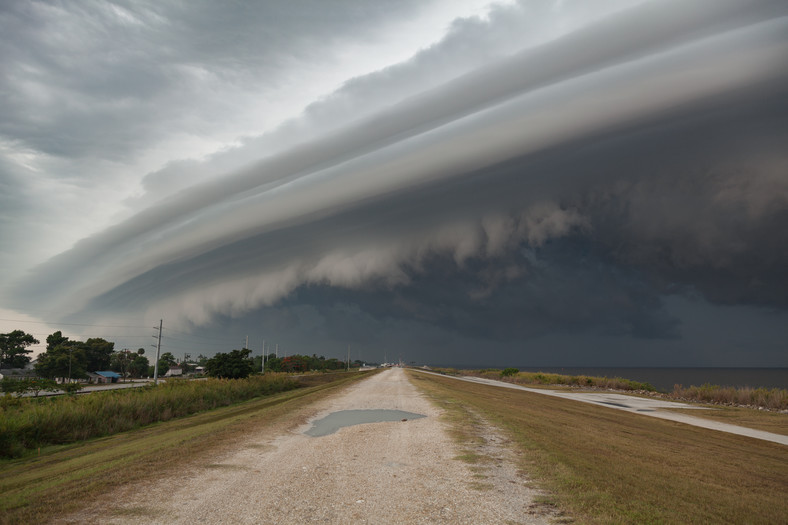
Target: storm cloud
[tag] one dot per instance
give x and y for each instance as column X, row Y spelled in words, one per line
column 485, row 190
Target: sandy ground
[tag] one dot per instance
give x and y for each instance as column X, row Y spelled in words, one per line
column 393, row 472
column 643, row 406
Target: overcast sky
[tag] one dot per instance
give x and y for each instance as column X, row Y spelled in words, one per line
column 533, row 182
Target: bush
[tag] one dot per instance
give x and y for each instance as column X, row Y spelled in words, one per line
column 508, row 372
column 32, row 423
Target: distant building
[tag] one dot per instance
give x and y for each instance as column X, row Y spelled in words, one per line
column 174, row 371
column 107, row 377
column 17, row 373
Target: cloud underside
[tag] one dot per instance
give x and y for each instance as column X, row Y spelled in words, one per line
column 560, row 188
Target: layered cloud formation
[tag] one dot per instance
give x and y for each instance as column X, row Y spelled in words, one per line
column 544, row 170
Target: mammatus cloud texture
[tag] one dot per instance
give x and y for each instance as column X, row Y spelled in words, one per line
column 543, row 176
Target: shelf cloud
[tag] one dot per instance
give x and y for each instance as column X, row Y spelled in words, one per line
column 575, row 181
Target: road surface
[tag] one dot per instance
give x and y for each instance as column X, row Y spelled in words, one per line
column 393, row 472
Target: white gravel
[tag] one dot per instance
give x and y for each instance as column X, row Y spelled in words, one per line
column 392, row 472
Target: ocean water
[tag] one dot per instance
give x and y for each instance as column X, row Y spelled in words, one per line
column 665, row 378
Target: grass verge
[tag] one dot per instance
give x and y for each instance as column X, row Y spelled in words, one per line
column 64, row 477
column 513, row 375
column 607, row 466
column 765, row 420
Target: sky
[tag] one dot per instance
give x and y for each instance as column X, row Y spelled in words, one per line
column 446, row 182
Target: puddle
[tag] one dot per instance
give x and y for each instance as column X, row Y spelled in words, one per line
column 347, row 418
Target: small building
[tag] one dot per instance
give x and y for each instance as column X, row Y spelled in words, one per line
column 108, row 376
column 174, row 371
column 17, row 373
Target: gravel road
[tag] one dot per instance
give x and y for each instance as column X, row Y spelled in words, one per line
column 392, row 472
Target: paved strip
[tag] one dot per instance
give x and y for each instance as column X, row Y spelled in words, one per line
column 638, row 405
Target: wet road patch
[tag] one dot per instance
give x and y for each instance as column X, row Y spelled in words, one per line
column 348, row 418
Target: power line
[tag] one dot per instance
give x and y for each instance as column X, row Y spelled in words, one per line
column 52, row 323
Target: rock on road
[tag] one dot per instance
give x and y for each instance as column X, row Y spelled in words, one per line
column 391, row 472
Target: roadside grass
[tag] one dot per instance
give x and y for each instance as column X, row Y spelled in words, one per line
column 607, row 466
column 64, row 478
column 29, row 423
column 773, row 398
column 512, row 375
column 775, row 422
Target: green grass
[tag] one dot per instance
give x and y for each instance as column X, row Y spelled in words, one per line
column 26, row 424
column 607, row 466
column 36, row 489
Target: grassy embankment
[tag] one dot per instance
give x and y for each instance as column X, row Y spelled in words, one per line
column 771, row 398
column 28, row 423
column 35, row 489
column 607, row 466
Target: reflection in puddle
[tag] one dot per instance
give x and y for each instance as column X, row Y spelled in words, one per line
column 347, row 418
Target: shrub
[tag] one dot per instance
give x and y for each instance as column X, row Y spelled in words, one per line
column 508, row 372
column 32, row 423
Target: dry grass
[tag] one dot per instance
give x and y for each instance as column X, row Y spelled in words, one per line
column 511, row 375
column 775, row 422
column 607, row 466
column 65, row 477
column 772, row 398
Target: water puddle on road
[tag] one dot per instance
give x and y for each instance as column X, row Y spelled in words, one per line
column 347, row 418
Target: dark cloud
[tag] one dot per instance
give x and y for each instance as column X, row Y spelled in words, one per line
column 568, row 189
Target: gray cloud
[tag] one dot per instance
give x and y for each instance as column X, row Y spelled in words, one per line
column 564, row 187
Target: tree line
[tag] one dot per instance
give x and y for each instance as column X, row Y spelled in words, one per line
column 68, row 359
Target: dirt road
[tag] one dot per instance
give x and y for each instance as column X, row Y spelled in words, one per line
column 391, row 472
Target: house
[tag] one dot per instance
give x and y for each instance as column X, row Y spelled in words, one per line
column 17, row 373
column 107, row 376
column 174, row 371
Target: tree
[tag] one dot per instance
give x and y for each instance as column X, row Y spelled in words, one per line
column 56, row 339
column 273, row 363
column 139, row 366
column 98, row 352
column 234, row 365
column 166, row 360
column 63, row 358
column 13, row 349
column 121, row 362
column 37, row 384
column 295, row 363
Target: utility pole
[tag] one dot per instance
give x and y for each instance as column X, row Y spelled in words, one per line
column 263, row 370
column 277, row 350
column 348, row 358
column 247, row 343
column 158, row 349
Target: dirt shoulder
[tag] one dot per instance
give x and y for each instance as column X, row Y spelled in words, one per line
column 394, row 472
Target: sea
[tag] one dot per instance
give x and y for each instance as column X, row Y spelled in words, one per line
column 665, row 378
